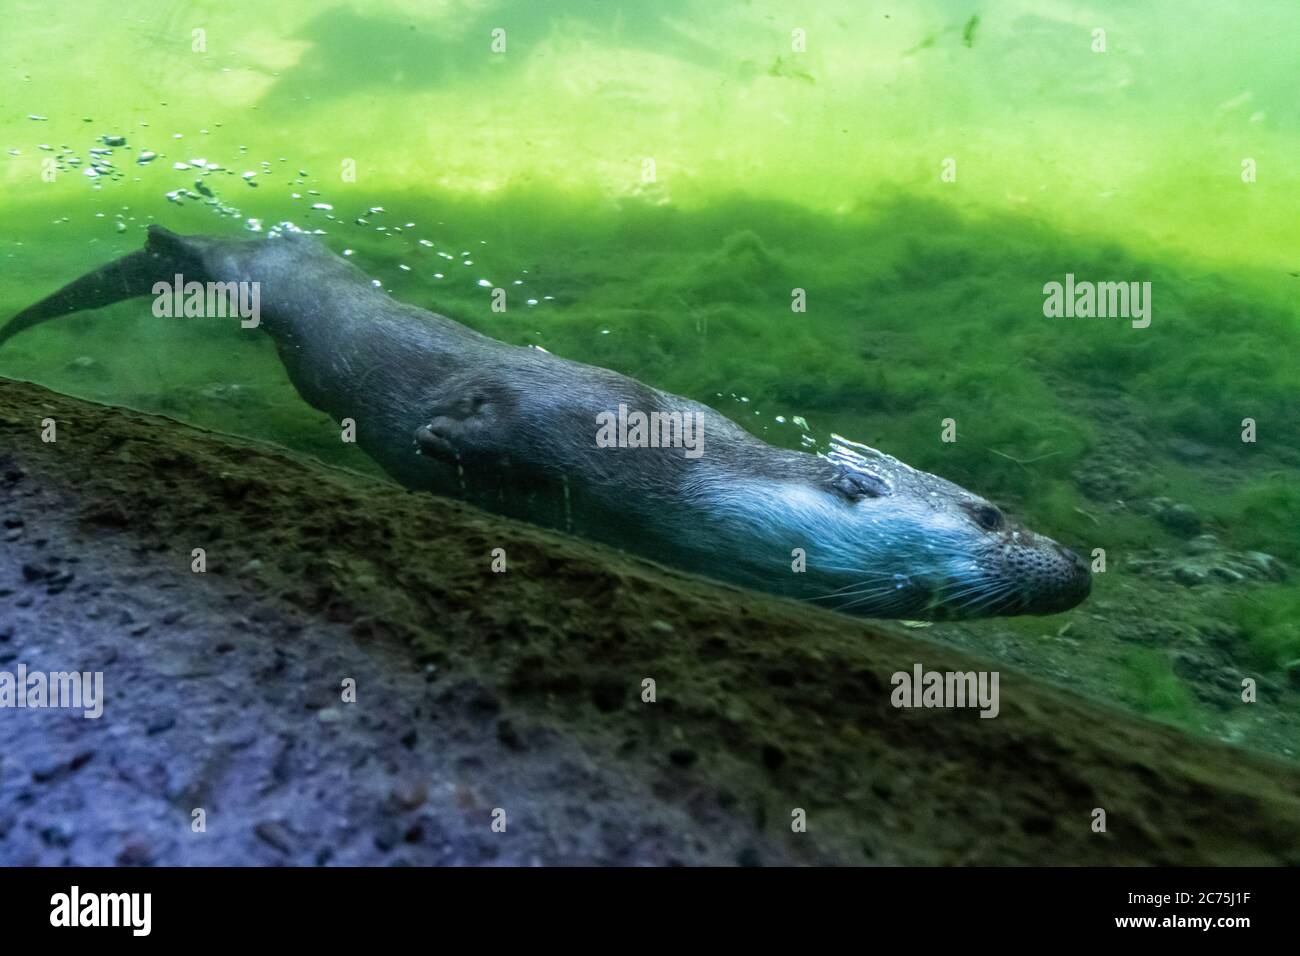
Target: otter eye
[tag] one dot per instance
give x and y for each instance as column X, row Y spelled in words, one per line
column 987, row 517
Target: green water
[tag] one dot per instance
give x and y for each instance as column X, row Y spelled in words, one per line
column 659, row 177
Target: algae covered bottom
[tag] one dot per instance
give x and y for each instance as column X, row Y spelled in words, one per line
column 521, row 692
column 1047, row 251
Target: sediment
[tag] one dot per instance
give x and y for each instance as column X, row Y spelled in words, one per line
column 484, row 695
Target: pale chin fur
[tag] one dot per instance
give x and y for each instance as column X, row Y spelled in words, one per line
column 884, row 557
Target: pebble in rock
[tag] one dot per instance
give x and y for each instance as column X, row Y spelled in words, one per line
column 408, row 794
column 274, row 834
column 135, row 853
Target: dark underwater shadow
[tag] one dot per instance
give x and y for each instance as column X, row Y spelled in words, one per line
column 351, row 50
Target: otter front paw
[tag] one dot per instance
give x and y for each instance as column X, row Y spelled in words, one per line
column 462, row 429
column 434, row 440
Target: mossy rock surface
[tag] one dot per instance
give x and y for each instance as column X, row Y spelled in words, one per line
column 519, row 690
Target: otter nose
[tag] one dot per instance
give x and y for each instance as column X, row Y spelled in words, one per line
column 1072, row 557
column 1081, row 584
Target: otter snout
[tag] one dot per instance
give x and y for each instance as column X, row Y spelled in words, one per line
column 1058, row 580
column 1072, row 557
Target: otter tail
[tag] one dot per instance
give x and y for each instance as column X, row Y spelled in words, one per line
column 164, row 254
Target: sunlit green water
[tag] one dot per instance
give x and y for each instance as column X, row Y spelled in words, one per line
column 659, row 177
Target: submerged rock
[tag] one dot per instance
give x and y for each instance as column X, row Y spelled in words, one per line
column 1188, row 450
column 1266, row 564
column 760, row 701
column 86, row 365
column 1206, row 560
column 1180, row 519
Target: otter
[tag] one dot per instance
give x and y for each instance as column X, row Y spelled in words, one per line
column 515, row 429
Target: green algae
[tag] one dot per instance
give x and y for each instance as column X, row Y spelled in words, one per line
column 774, row 171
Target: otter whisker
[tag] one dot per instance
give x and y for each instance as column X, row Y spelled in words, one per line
column 850, row 570
column 894, row 599
column 993, row 596
column 976, row 589
column 844, row 594
column 877, row 579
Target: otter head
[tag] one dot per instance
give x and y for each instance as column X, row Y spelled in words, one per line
column 912, row 545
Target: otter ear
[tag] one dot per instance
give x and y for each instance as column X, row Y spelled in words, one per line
column 853, row 485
